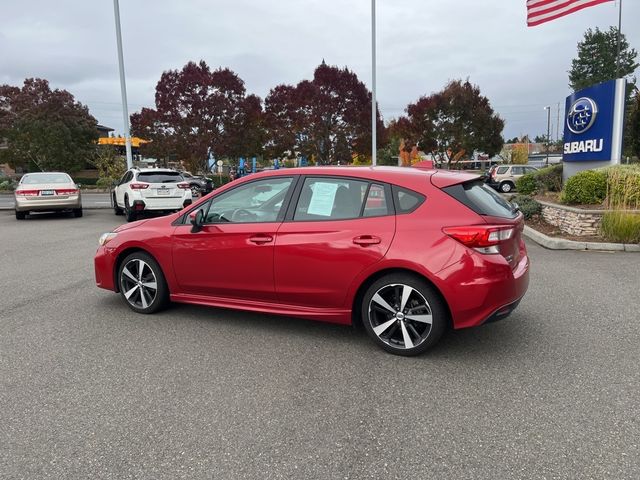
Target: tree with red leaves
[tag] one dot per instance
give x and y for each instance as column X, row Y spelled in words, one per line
column 199, row 111
column 45, row 129
column 454, row 122
column 328, row 118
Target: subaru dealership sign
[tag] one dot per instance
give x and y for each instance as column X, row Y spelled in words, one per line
column 593, row 124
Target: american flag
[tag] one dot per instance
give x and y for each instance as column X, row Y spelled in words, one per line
column 541, row 11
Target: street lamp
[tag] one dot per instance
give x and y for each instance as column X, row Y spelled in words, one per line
column 548, row 109
column 123, row 86
column 373, row 85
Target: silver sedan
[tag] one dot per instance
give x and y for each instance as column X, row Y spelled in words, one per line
column 46, row 192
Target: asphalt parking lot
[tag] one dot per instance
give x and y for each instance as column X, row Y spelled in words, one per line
column 89, row 389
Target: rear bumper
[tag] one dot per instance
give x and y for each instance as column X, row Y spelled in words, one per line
column 45, row 204
column 150, row 204
column 493, row 294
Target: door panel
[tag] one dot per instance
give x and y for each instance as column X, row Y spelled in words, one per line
column 226, row 260
column 316, row 262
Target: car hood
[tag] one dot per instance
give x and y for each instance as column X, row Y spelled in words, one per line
column 129, row 226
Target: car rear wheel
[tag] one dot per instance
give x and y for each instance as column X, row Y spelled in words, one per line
column 116, row 209
column 142, row 283
column 130, row 213
column 77, row 212
column 403, row 314
column 506, row 187
column 20, row 215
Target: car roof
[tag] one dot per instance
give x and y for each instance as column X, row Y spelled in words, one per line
column 155, row 170
column 396, row 175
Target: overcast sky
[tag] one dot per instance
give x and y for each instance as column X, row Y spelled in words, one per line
column 421, row 45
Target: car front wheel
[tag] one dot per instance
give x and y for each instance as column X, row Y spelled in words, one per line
column 142, row 283
column 403, row 314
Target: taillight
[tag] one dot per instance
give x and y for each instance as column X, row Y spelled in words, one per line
column 484, row 239
column 184, row 186
column 27, row 193
column 138, row 186
column 66, row 191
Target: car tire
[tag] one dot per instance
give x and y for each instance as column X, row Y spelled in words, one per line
column 142, row 283
column 77, row 212
column 20, row 215
column 130, row 213
column 116, row 209
column 195, row 191
column 506, row 187
column 408, row 329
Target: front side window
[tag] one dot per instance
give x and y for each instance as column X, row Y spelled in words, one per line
column 330, row 199
column 254, row 202
column 517, row 170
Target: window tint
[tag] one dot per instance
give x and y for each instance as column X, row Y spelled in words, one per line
column 502, row 170
column 254, row 202
column 481, row 199
column 330, row 199
column 376, row 204
column 517, row 170
column 34, row 178
column 160, row 177
column 407, row 200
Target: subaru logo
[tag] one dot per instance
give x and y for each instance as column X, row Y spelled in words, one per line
column 582, row 115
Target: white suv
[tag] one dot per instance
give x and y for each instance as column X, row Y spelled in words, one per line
column 149, row 189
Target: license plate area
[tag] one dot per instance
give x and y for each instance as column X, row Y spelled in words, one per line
column 163, row 192
column 47, row 193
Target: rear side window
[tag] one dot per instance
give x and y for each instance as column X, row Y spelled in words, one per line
column 481, row 199
column 160, row 177
column 502, row 170
column 331, row 199
column 406, row 201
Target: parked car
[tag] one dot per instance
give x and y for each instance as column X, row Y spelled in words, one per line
column 149, row 189
column 199, row 185
column 47, row 192
column 503, row 177
column 406, row 252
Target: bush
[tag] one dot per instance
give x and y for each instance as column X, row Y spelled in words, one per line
column 105, row 182
column 620, row 226
column 528, row 206
column 527, row 184
column 549, row 179
column 588, row 187
column 86, row 180
column 6, row 185
column 218, row 181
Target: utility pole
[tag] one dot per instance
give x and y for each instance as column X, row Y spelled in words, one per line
column 123, row 86
column 558, row 125
column 374, row 143
column 548, row 109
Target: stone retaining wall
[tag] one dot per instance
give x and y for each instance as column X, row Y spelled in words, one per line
column 571, row 220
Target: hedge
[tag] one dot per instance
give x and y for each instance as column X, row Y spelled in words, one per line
column 588, row 187
column 528, row 206
column 548, row 179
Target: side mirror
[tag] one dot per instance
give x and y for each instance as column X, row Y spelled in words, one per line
column 197, row 220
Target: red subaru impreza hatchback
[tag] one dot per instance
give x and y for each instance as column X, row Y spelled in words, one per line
column 406, row 252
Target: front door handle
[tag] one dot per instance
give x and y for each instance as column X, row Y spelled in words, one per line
column 261, row 239
column 364, row 240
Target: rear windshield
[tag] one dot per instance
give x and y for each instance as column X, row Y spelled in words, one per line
column 35, row 178
column 160, row 177
column 481, row 199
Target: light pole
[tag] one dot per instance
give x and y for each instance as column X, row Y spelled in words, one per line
column 548, row 109
column 373, row 85
column 123, row 86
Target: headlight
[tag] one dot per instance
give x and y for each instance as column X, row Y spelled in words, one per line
column 106, row 238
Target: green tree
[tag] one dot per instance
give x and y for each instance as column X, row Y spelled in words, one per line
column 45, row 129
column 454, row 122
column 596, row 60
column 632, row 146
column 111, row 166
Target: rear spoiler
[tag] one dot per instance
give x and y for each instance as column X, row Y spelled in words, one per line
column 446, row 178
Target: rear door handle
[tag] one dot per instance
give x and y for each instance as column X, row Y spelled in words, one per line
column 261, row 239
column 364, row 240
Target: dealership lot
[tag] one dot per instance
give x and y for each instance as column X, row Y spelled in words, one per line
column 89, row 389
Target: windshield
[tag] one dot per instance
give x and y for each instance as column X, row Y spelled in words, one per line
column 35, row 178
column 160, row 177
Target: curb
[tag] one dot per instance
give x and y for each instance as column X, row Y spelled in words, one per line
column 562, row 244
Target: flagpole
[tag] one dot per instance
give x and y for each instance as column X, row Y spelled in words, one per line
column 619, row 38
